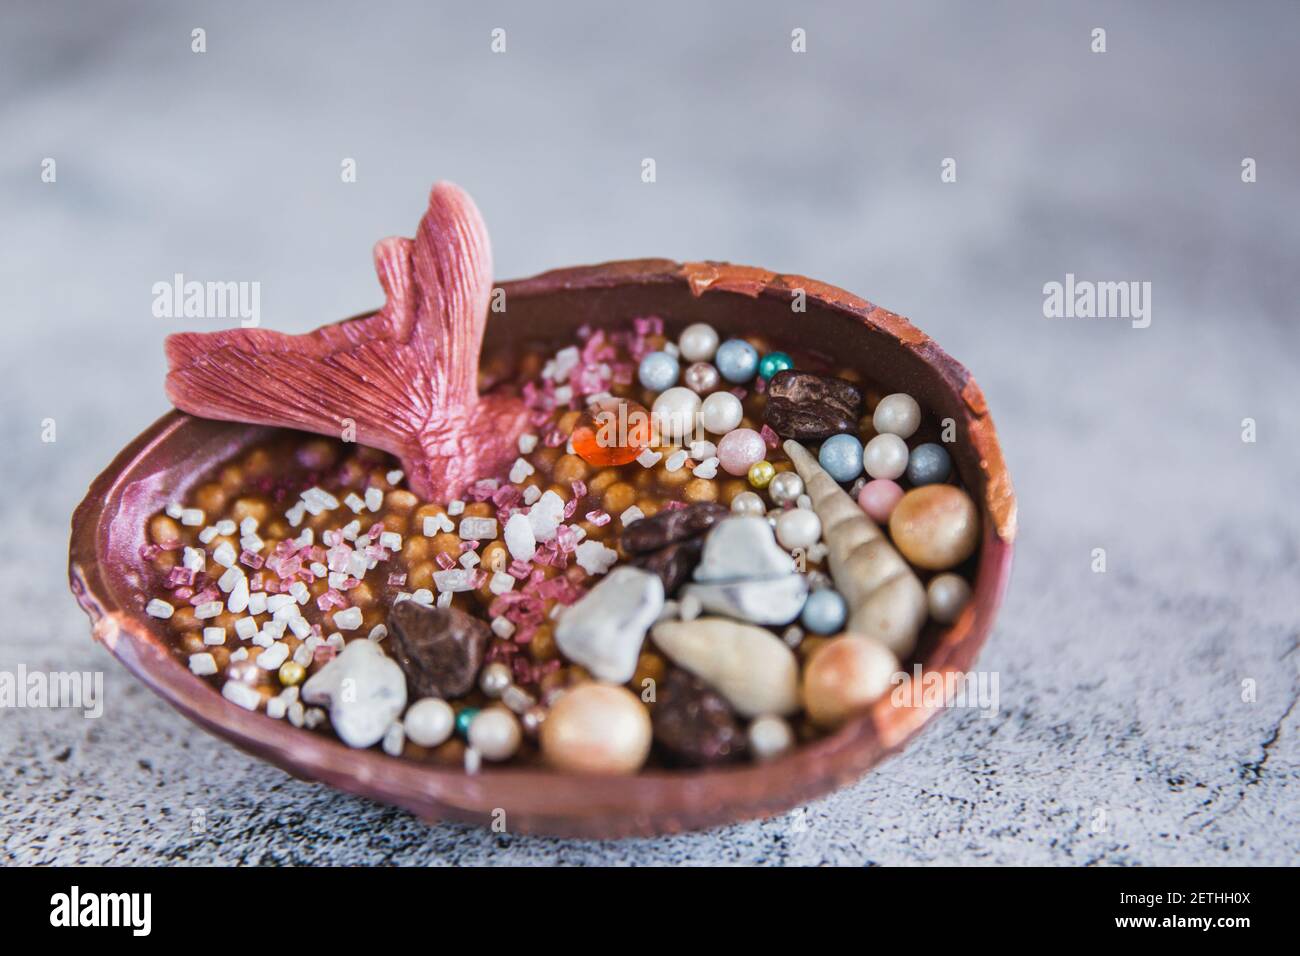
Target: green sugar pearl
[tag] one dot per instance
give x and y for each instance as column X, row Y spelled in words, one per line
column 772, row 363
column 464, row 719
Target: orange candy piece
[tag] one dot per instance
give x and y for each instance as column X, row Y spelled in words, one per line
column 611, row 432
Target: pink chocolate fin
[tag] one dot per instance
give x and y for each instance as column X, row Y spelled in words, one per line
column 406, row 377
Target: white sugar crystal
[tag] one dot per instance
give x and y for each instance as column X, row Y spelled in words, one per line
column 225, row 526
column 473, row 761
column 478, row 529
column 237, row 603
column 276, row 708
column 316, row 500
column 302, row 655
column 455, row 507
column 214, row 635
column 237, row 692
column 251, row 542
column 355, row 502
column 632, row 514
column 192, row 517
column 277, row 602
column 520, row 470
column 378, row 632
column 374, row 499
column 501, row 583
column 648, row 458
column 175, row 509
column 319, row 570
column 351, row 530
column 240, row 654
column 348, row 620
column 519, row 538
column 257, row 602
column 527, row 444
column 203, row 664
column 531, row 494
column 544, row 517
column 208, row 609
column 225, row 554
column 300, row 627
column 358, row 564
column 394, row 739
column 245, row 627
column 294, row 514
column 707, row 468
column 564, row 394
column 337, row 579
column 336, row 641
column 207, row 534
column 803, row 501
column 469, row 559
column 444, row 599
column 502, row 628
column 194, row 559
column 595, row 397
column 275, row 655
column 675, row 461
column 423, row 596
column 568, row 447
column 264, row 638
column 248, row 525
column 391, row 540
column 395, row 476
column 306, row 539
column 454, row 580
column 565, row 361
column 703, row 449
column 314, row 717
column 296, row 713
column 299, row 592
column 594, row 558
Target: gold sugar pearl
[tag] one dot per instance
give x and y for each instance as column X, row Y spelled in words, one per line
column 291, row 673
column 761, row 473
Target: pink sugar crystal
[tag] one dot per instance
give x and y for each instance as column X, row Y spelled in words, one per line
column 178, row 577
column 598, row 518
column 250, row 559
column 396, row 580
column 445, row 561
column 770, row 438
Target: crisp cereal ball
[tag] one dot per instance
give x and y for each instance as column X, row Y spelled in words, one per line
column 947, row 594
column 897, row 414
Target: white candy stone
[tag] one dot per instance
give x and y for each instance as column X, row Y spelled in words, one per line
column 798, row 528
column 520, row 541
column 674, row 412
column 365, row 692
column 429, row 722
column 747, row 665
column 721, row 412
column 604, row 630
column 742, row 547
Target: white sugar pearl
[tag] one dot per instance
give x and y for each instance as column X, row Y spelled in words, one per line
column 769, row 737
column 674, row 412
column 885, row 457
column 429, row 722
column 798, row 528
column 947, row 594
column 748, row 503
column 897, row 414
column 495, row 733
column 698, row 342
column 721, row 412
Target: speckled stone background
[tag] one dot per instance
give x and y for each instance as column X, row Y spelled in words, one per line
column 1122, row 735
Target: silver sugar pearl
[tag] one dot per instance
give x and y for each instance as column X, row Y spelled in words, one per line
column 494, row 679
column 532, row 720
column 701, row 377
column 785, row 487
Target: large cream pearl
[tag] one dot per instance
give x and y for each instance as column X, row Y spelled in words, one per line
column 597, row 728
column 798, row 528
column 674, row 412
column 721, row 412
column 885, row 457
column 897, row 414
column 494, row 732
column 845, row 675
column 936, row 527
column 698, row 342
column 429, row 722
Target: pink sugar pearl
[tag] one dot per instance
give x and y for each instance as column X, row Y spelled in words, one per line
column 878, row 498
column 739, row 449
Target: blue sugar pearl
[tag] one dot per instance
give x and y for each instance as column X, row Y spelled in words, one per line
column 824, row 612
column 464, row 719
column 928, row 464
column 841, row 456
column 737, row 361
column 658, row 371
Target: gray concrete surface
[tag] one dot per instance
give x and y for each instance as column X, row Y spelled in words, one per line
column 1122, row 737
